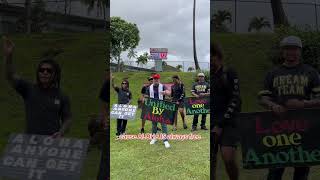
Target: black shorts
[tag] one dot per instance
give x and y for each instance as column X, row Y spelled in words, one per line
column 180, row 105
column 230, row 135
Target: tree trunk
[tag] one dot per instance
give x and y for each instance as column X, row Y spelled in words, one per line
column 28, row 16
column 119, row 63
column 194, row 37
column 279, row 16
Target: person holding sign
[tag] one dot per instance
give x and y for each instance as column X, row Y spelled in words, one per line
column 143, row 92
column 178, row 93
column 158, row 91
column 292, row 85
column 47, row 107
column 124, row 97
column 200, row 89
column 226, row 106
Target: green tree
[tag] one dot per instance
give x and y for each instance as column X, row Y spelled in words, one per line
column 279, row 16
column 219, row 19
column 143, row 59
column 124, row 37
column 190, row 69
column 258, row 23
column 179, row 67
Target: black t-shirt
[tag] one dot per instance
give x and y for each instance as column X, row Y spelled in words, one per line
column 200, row 87
column 144, row 89
column 124, row 96
column 177, row 92
column 46, row 110
column 299, row 82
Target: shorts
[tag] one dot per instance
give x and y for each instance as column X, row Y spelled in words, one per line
column 230, row 135
column 180, row 105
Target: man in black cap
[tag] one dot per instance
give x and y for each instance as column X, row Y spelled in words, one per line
column 47, row 108
column 292, row 85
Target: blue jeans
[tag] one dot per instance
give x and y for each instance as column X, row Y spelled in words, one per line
column 164, row 129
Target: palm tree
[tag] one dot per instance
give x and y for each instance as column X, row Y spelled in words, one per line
column 194, row 37
column 279, row 16
column 190, row 69
column 179, row 66
column 257, row 23
column 143, row 59
column 219, row 19
column 28, row 22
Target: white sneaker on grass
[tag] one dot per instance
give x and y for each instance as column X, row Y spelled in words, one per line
column 166, row 144
column 153, row 141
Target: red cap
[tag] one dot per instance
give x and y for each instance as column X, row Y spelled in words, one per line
column 156, row 76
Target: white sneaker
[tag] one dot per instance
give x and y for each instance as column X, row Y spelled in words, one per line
column 153, row 141
column 166, row 144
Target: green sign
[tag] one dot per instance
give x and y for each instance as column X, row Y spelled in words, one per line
column 196, row 105
column 269, row 140
column 158, row 111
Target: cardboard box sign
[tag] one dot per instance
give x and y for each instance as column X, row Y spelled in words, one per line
column 195, row 105
column 35, row 157
column 159, row 111
column 123, row 111
column 269, row 140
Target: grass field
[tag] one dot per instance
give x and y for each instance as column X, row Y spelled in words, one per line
column 137, row 159
column 248, row 55
column 83, row 66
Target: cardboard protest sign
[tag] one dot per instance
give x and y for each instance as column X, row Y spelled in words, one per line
column 195, row 105
column 158, row 111
column 123, row 111
column 34, row 157
column 269, row 140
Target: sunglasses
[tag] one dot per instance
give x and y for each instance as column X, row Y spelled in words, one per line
column 124, row 83
column 49, row 70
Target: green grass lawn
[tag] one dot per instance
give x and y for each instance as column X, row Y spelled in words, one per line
column 83, row 64
column 247, row 53
column 137, row 159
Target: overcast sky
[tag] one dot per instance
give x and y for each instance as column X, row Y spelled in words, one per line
column 168, row 24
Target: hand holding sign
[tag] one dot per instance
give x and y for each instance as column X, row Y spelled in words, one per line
column 294, row 104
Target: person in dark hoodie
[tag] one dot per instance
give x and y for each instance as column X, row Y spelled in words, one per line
column 47, row 108
column 226, row 105
column 124, row 97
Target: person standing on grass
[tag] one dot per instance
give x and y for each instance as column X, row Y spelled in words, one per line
column 226, row 107
column 292, row 85
column 47, row 109
column 200, row 89
column 158, row 91
column 124, row 97
column 141, row 100
column 178, row 94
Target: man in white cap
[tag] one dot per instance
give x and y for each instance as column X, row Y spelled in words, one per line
column 291, row 85
column 200, row 89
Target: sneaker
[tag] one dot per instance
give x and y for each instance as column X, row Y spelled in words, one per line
column 174, row 129
column 153, row 141
column 185, row 126
column 204, row 128
column 158, row 129
column 142, row 131
column 166, row 144
column 194, row 128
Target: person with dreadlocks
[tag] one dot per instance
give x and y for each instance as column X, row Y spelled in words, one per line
column 47, row 108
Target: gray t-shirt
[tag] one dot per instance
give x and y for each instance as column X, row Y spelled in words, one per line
column 45, row 110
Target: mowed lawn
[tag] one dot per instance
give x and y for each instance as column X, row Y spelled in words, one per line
column 137, row 159
column 83, row 63
column 248, row 54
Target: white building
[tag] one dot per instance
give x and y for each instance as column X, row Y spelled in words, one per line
column 77, row 17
